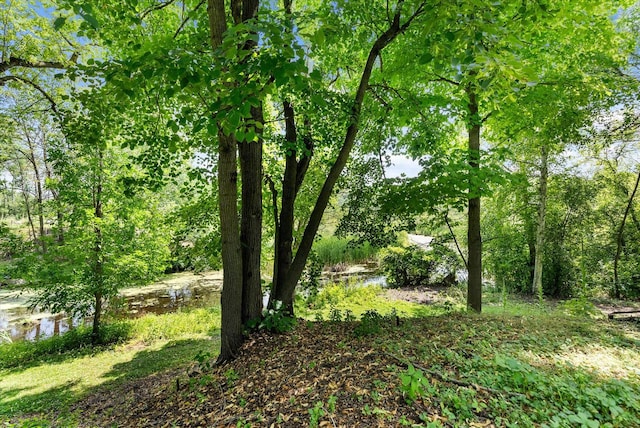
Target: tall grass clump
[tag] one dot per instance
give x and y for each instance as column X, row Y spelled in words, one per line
column 332, row 250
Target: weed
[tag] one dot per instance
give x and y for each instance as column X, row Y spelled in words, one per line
column 349, row 316
column 231, row 376
column 413, row 384
column 315, row 413
column 331, row 403
column 275, row 320
column 205, row 360
column 370, row 324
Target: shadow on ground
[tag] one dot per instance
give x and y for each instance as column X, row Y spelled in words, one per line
column 55, row 402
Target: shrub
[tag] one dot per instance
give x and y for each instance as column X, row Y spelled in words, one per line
column 413, row 266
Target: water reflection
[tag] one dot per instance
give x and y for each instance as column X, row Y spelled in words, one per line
column 178, row 291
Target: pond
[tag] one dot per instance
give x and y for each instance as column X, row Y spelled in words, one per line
column 182, row 290
column 175, row 291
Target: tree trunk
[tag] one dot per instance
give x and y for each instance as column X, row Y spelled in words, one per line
column 231, row 334
column 540, row 228
column 251, row 223
column 616, row 261
column 284, row 241
column 25, row 194
column 474, row 284
column 98, row 267
column 285, row 289
column 31, row 157
column 251, row 226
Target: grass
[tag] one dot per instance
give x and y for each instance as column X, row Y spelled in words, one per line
column 332, row 250
column 352, row 296
column 50, row 375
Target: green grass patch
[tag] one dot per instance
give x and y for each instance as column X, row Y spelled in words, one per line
column 49, row 375
column 549, row 370
column 74, row 343
column 52, row 387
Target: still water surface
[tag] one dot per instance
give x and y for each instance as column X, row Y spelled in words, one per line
column 175, row 291
column 182, row 290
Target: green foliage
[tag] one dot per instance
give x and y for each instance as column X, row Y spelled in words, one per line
column 206, row 360
column 11, row 244
column 413, row 266
column 315, row 413
column 407, row 267
column 275, row 320
column 413, row 384
column 580, row 307
column 372, row 322
column 365, row 219
column 310, row 279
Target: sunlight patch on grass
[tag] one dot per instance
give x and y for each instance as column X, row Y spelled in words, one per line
column 49, row 387
column 49, row 382
column 604, row 361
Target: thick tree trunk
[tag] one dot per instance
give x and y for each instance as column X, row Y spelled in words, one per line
column 285, row 289
column 540, row 228
column 251, row 225
column 233, row 290
column 620, row 240
column 231, row 334
column 474, row 239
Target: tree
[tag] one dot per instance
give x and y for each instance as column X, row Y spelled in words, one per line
column 120, row 226
column 283, row 290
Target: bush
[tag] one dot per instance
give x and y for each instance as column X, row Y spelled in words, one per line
column 407, row 267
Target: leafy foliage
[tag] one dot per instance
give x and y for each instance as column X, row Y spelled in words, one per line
column 275, row 320
column 414, row 266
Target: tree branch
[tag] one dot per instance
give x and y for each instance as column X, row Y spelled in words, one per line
column 155, row 7
column 445, row 79
column 21, row 62
column 184, row 22
column 54, row 106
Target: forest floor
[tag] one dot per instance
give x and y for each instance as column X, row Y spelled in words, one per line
column 518, row 363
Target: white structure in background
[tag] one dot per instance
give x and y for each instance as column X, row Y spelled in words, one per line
column 421, row 241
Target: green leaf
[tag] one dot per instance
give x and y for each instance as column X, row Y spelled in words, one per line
column 234, row 118
column 426, row 58
column 59, row 22
column 91, row 20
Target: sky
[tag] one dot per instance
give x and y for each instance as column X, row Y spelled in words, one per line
column 401, row 164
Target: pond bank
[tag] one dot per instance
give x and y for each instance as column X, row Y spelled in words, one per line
column 185, row 289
